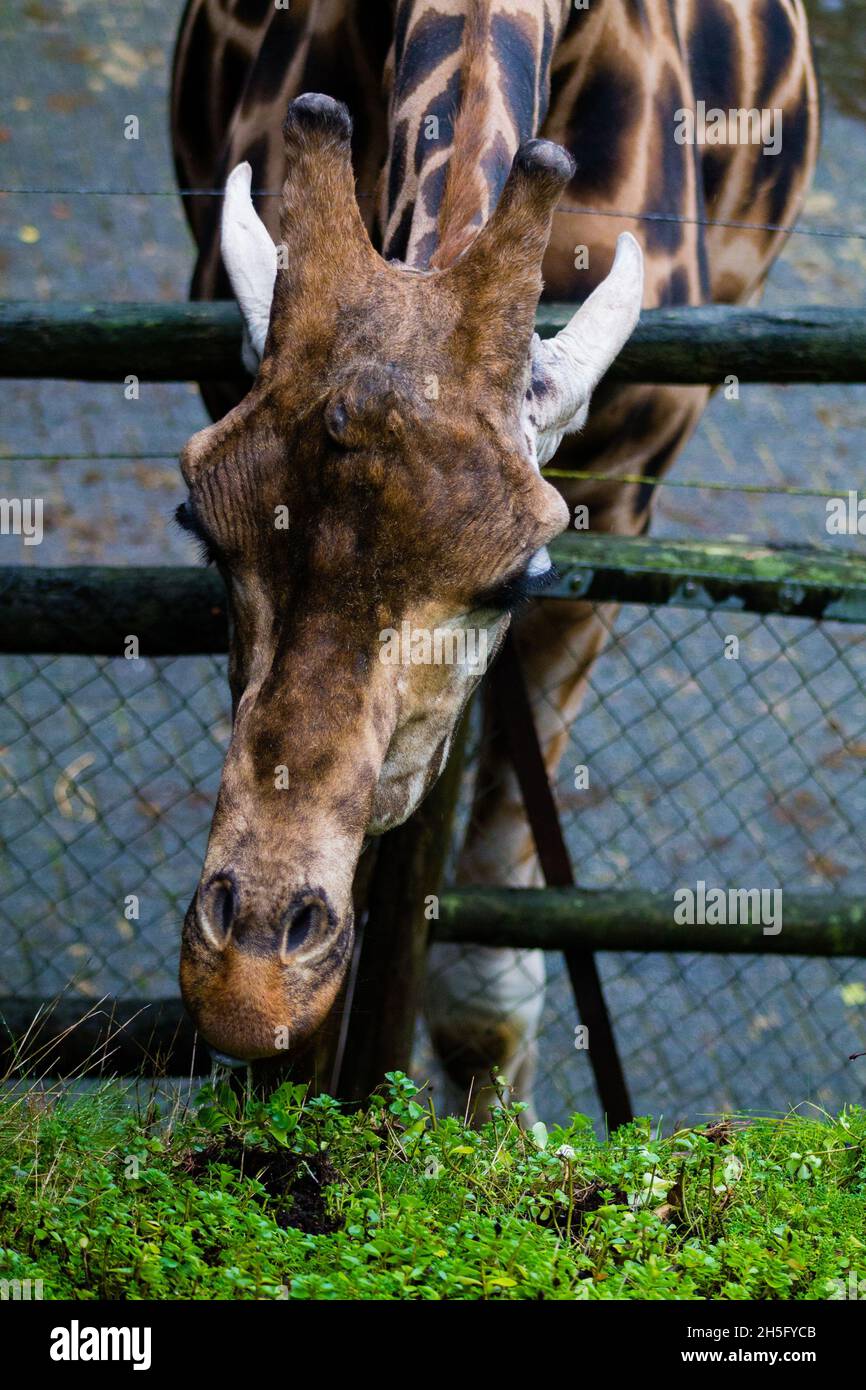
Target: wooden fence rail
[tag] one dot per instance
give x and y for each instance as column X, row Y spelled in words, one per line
column 150, row 1036
column 180, row 611
column 201, row 342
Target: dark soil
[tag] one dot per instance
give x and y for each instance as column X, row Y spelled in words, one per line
column 295, row 1185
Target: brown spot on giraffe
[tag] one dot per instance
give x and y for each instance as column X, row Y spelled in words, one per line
column 438, row 495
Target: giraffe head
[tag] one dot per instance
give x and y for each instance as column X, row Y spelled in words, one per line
column 375, row 505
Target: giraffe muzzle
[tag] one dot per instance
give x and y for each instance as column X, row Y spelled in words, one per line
column 259, row 983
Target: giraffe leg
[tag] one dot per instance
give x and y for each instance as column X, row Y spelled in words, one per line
column 483, row 1005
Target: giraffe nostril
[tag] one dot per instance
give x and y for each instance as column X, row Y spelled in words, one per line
column 217, row 906
column 305, row 920
column 224, row 906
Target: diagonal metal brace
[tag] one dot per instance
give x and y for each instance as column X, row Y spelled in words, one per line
column 513, row 710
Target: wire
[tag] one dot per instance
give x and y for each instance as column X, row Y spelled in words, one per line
column 81, row 458
column 703, row 483
column 834, row 233
column 623, row 479
column 841, row 233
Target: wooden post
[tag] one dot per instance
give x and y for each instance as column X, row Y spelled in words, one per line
column 409, row 865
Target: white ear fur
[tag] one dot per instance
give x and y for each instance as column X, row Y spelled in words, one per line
column 250, row 258
column 571, row 365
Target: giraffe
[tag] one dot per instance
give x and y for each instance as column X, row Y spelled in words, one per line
column 451, row 100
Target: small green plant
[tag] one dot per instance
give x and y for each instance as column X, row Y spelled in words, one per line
column 301, row 1197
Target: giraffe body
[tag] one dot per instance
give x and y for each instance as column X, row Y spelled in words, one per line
column 443, row 93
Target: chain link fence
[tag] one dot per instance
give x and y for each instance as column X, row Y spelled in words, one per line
column 745, row 771
column 740, row 770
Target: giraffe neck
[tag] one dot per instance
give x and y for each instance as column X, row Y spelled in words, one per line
column 468, row 81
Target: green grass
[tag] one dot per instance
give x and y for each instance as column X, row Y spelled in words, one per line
column 302, row 1199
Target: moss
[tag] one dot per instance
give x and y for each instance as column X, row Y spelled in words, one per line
column 304, row 1199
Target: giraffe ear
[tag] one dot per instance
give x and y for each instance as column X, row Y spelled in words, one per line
column 250, row 258
column 566, row 369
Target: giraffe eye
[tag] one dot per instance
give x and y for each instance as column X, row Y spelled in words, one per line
column 512, row 593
